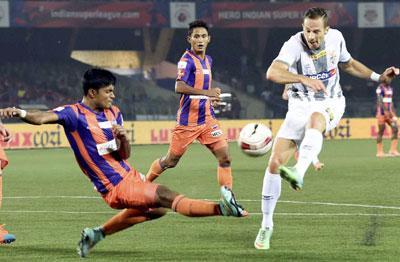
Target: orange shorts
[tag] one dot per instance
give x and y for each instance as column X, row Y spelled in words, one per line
column 132, row 192
column 3, row 158
column 382, row 119
column 208, row 134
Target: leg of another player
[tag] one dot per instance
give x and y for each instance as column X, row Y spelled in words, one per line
column 393, row 146
column 224, row 173
column 161, row 164
column 282, row 150
column 5, row 237
column 311, row 144
column 379, row 141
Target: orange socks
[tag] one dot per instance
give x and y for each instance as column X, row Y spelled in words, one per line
column 195, row 208
column 225, row 176
column 154, row 171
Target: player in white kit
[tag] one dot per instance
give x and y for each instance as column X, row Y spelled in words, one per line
column 308, row 62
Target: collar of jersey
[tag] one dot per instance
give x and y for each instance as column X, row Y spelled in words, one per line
column 190, row 51
column 91, row 110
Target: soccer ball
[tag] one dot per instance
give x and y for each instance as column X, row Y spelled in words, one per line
column 255, row 139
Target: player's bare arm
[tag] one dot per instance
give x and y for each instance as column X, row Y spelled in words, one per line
column 358, row 69
column 278, row 73
column 31, row 117
column 120, row 134
column 182, row 88
column 285, row 95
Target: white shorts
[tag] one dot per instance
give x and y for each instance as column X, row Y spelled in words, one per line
column 299, row 113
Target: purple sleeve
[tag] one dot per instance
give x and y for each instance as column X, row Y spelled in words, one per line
column 67, row 117
column 185, row 69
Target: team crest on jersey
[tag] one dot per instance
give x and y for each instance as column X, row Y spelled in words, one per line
column 332, row 56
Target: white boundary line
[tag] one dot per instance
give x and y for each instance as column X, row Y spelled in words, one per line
column 241, row 200
column 251, row 214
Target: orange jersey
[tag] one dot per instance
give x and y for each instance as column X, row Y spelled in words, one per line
column 91, row 138
column 195, row 72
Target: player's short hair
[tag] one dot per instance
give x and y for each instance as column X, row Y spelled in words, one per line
column 315, row 13
column 97, row 78
column 196, row 24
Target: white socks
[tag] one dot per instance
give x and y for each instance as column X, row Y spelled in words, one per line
column 309, row 150
column 270, row 195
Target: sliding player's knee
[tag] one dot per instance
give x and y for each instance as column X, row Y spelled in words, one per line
column 165, row 196
column 156, row 213
column 170, row 162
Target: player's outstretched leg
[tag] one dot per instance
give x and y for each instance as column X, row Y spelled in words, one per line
column 228, row 204
column 262, row 240
column 89, row 238
column 5, row 237
column 291, row 175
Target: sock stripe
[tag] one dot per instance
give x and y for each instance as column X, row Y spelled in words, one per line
column 176, row 202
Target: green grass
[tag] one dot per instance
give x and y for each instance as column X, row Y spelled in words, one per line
column 48, row 225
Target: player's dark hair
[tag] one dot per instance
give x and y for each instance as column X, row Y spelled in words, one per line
column 315, row 13
column 97, row 78
column 196, row 24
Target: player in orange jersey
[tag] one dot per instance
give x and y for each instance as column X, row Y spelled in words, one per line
column 385, row 114
column 5, row 136
column 94, row 128
column 195, row 118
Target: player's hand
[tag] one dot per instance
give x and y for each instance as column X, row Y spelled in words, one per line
column 119, row 132
column 215, row 102
column 10, row 112
column 389, row 74
column 214, row 92
column 5, row 135
column 314, row 84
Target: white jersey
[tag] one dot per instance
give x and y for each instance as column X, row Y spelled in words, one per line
column 319, row 64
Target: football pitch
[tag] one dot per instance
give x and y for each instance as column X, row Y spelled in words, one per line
column 349, row 211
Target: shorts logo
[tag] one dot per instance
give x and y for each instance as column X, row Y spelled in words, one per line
column 216, row 133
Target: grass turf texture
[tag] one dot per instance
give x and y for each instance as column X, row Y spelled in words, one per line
column 48, row 225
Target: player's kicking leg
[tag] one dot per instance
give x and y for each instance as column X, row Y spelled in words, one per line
column 309, row 149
